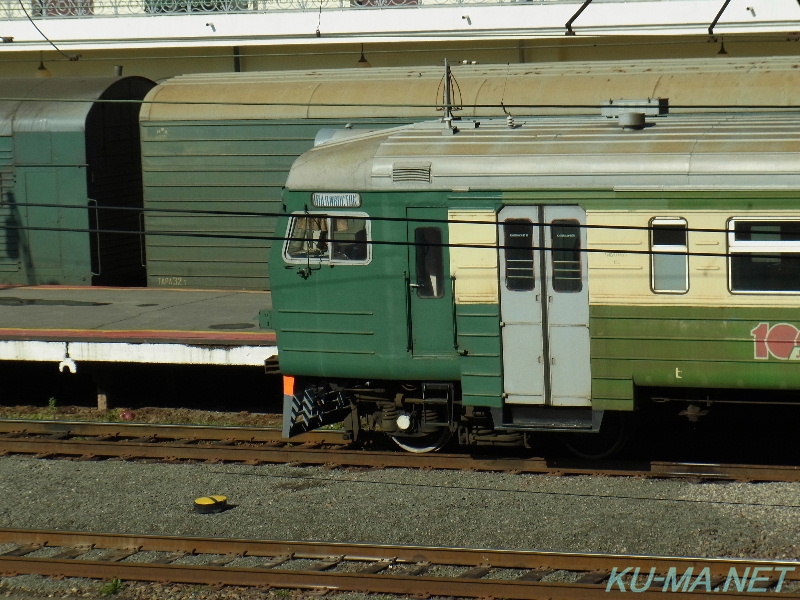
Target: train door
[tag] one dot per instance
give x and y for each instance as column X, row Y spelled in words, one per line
column 429, row 295
column 544, row 305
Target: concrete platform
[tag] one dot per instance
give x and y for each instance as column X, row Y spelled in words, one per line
column 68, row 325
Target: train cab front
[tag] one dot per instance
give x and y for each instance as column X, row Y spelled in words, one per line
column 363, row 312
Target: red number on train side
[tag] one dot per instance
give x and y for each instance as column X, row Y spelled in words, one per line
column 779, row 340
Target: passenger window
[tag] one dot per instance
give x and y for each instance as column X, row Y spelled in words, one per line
column 764, row 255
column 669, row 256
column 566, row 255
column 429, row 262
column 518, row 242
column 334, row 239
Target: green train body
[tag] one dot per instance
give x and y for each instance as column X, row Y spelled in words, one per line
column 496, row 279
column 70, row 181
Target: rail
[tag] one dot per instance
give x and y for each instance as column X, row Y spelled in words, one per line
column 82, row 440
column 439, row 571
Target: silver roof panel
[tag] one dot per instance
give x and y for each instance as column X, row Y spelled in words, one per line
column 743, row 150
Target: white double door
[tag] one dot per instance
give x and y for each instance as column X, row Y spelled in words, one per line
column 544, row 305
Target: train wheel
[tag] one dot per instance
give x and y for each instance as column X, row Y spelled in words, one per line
column 607, row 442
column 430, row 442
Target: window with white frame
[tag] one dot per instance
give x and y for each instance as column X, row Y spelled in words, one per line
column 764, row 255
column 669, row 256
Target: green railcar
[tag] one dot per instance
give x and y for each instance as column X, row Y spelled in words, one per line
column 495, row 279
column 70, row 181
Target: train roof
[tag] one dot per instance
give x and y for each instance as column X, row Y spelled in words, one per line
column 404, row 92
column 720, row 151
column 61, row 104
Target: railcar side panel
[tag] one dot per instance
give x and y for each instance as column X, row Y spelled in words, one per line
column 474, row 267
column 363, row 318
column 480, row 354
column 698, row 347
column 47, row 254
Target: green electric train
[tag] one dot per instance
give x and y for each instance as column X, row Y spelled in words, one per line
column 485, row 281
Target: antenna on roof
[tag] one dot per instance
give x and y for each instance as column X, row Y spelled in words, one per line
column 447, row 101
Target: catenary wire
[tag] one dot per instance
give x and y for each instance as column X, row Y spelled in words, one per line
column 406, row 243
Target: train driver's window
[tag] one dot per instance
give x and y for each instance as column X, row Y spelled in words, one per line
column 348, row 238
column 764, row 255
column 669, row 256
column 307, row 236
column 429, row 262
column 328, row 238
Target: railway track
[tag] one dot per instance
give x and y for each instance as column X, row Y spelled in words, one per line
column 424, row 571
column 133, row 441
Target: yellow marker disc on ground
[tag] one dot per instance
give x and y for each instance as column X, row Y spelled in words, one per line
column 210, row 504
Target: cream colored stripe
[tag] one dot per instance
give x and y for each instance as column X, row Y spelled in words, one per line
column 618, row 278
column 475, row 269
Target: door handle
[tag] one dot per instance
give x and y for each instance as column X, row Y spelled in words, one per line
column 414, row 285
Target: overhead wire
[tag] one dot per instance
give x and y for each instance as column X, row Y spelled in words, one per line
column 321, row 213
column 246, row 236
column 49, row 41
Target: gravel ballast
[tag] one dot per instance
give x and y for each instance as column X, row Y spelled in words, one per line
column 400, row 506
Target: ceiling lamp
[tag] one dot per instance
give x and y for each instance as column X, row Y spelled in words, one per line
column 41, row 70
column 363, row 62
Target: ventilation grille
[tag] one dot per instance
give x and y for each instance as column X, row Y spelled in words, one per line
column 408, row 172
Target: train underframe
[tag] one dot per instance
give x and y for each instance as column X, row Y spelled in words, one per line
column 424, row 417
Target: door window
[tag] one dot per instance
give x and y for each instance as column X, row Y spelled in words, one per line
column 429, row 262
column 518, row 242
column 566, row 255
